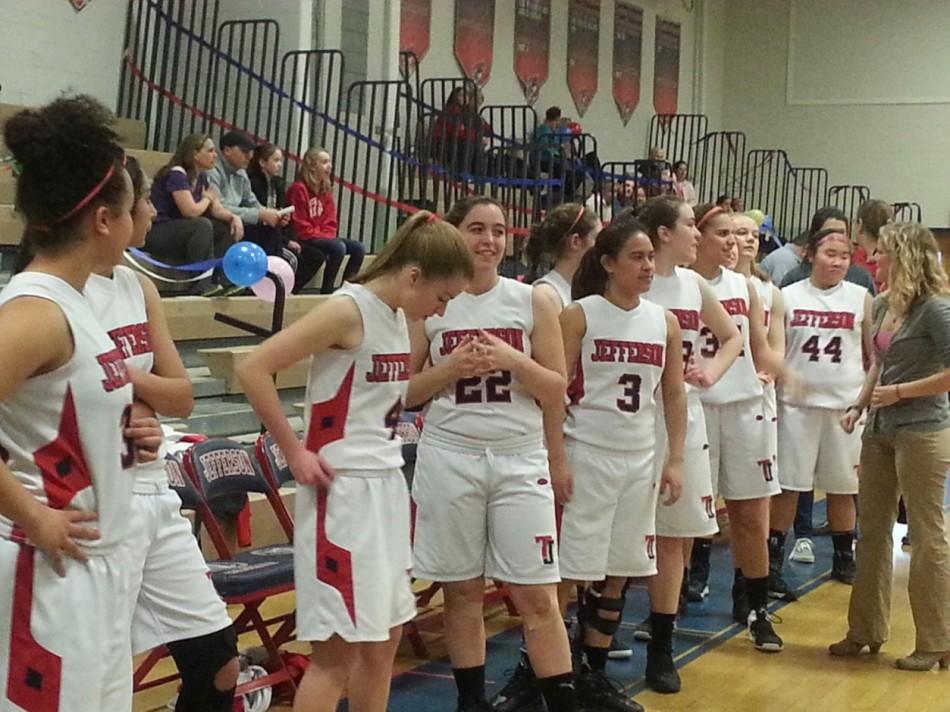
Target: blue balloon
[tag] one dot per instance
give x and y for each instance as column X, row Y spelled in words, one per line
column 245, row 263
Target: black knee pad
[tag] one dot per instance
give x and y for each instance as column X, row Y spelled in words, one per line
column 591, row 607
column 199, row 660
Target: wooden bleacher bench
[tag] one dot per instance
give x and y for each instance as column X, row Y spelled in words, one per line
column 223, row 361
column 192, row 318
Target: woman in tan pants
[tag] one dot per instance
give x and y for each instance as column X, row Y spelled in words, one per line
column 906, row 449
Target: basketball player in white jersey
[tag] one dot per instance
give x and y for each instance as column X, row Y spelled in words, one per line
column 493, row 368
column 747, row 239
column 351, row 546
column 670, row 223
column 736, row 425
column 171, row 596
column 65, row 482
column 559, row 241
column 828, row 332
column 621, row 350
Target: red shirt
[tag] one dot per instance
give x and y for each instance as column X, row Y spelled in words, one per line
column 860, row 258
column 314, row 215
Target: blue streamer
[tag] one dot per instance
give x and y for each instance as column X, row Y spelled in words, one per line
column 192, row 267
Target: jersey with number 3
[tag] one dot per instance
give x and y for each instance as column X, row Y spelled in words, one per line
column 613, row 390
column 823, row 342
column 355, row 396
column 494, row 407
column 740, row 381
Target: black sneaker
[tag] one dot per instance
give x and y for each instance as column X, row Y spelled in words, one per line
column 643, row 631
column 779, row 588
column 762, row 633
column 698, row 586
column 843, row 568
column 598, row 692
column 661, row 674
column 619, row 650
column 521, row 691
column 740, row 601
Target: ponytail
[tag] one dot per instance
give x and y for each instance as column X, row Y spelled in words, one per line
column 591, row 277
column 550, row 237
column 433, row 245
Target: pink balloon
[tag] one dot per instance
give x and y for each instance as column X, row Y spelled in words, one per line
column 265, row 289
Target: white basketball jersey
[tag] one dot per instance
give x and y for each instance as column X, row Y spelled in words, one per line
column 492, row 408
column 679, row 293
column 61, row 433
column 740, row 381
column 119, row 305
column 766, row 293
column 556, row 280
column 823, row 342
column 355, row 396
column 613, row 392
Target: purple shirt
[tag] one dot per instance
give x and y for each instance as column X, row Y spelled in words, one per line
column 176, row 179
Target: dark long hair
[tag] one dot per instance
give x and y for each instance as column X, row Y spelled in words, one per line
column 591, row 277
column 463, row 206
column 661, row 211
column 549, row 238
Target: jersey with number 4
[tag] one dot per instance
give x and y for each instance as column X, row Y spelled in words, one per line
column 740, row 381
column 355, row 396
column 613, row 391
column 823, row 342
column 494, row 407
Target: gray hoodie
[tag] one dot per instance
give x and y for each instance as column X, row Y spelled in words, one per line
column 235, row 189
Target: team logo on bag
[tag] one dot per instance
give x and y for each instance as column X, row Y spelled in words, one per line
column 547, row 548
column 766, row 466
column 650, row 540
column 708, row 504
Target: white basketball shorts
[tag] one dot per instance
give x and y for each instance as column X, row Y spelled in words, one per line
column 739, row 456
column 814, row 451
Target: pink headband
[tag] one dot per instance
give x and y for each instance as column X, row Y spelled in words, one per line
column 710, row 214
column 832, row 235
column 96, row 189
column 574, row 224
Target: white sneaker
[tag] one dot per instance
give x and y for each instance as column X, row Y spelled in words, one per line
column 804, row 551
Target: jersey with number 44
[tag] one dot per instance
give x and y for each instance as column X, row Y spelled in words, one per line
column 823, row 342
column 495, row 407
column 355, row 396
column 613, row 390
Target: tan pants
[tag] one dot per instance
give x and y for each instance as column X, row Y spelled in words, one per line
column 913, row 464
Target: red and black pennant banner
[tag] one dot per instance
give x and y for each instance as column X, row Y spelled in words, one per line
column 79, row 4
column 628, row 50
column 415, row 20
column 532, row 45
column 474, row 38
column 666, row 72
column 583, row 46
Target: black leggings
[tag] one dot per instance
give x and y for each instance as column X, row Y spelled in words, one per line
column 189, row 240
column 313, row 253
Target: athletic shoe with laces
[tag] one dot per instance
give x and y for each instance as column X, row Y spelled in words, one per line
column 521, row 692
column 598, row 692
column 779, row 588
column 620, row 650
column 843, row 568
column 803, row 552
column 762, row 633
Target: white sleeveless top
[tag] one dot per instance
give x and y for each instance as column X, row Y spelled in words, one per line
column 494, row 409
column 556, row 280
column 823, row 342
column 119, row 305
column 613, row 392
column 61, row 433
column 355, row 396
column 740, row 381
column 680, row 294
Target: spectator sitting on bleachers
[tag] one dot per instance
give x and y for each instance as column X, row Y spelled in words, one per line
column 264, row 172
column 682, row 185
column 630, row 195
column 190, row 224
column 315, row 224
column 229, row 175
column 551, row 151
column 656, row 173
column 459, row 134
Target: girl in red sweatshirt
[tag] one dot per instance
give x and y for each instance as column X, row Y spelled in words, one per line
column 315, row 224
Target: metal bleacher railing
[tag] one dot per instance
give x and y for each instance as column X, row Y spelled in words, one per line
column 400, row 145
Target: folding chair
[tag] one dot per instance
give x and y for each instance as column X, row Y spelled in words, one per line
column 219, row 468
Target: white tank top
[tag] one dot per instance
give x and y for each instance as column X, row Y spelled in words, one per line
column 494, row 409
column 556, row 280
column 613, row 392
column 740, row 381
column 119, row 305
column 355, row 396
column 61, row 433
column 766, row 294
column 680, row 294
column 823, row 342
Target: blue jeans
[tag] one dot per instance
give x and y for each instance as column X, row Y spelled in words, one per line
column 314, row 252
